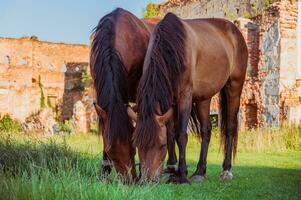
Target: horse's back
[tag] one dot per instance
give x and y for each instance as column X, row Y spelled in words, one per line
column 131, row 38
column 218, row 50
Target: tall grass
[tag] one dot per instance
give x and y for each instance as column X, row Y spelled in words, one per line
column 282, row 139
column 67, row 167
column 22, row 155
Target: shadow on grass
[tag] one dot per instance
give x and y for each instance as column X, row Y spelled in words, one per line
column 251, row 183
column 17, row 158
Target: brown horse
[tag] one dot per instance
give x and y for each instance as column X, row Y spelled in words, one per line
column 188, row 62
column 118, row 49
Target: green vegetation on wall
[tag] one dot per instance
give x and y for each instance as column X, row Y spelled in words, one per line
column 230, row 14
column 7, row 124
column 267, row 3
column 257, row 8
column 49, row 104
column 42, row 96
column 86, row 79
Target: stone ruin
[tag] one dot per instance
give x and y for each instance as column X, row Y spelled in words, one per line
column 31, row 69
column 43, row 122
column 41, row 83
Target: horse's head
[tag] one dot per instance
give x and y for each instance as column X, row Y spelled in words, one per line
column 121, row 152
column 151, row 153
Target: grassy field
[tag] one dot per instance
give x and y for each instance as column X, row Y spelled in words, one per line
column 268, row 166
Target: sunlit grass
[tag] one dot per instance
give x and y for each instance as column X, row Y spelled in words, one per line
column 268, row 166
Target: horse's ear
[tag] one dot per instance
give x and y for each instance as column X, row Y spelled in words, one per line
column 166, row 117
column 132, row 114
column 100, row 112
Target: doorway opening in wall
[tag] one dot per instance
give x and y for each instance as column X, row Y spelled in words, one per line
column 251, row 120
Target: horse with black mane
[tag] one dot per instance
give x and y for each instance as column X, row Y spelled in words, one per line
column 186, row 64
column 118, row 49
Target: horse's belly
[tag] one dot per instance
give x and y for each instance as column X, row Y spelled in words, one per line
column 207, row 81
column 204, row 90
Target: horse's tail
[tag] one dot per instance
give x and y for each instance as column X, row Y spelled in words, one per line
column 109, row 76
column 224, row 107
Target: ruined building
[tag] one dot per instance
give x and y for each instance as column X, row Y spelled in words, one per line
column 272, row 91
column 35, row 74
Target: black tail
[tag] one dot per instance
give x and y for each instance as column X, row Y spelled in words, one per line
column 224, row 107
column 109, row 76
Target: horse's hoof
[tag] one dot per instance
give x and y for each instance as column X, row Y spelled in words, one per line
column 184, row 181
column 198, row 178
column 178, row 180
column 226, row 175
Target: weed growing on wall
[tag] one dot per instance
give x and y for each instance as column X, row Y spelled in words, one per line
column 7, row 124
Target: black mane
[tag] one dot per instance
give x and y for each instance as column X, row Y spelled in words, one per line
column 110, row 78
column 163, row 65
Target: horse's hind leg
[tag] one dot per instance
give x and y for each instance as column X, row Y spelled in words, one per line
column 230, row 102
column 203, row 114
column 106, row 166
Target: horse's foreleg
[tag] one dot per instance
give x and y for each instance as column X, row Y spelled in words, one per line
column 172, row 157
column 203, row 114
column 106, row 165
column 181, row 136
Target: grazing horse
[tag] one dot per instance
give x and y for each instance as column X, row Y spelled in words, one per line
column 118, row 49
column 186, row 64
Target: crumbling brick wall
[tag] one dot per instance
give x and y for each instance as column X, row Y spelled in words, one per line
column 212, row 8
column 289, row 101
column 28, row 67
column 269, row 65
column 250, row 111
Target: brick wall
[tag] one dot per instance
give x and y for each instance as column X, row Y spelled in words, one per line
column 230, row 9
column 26, row 60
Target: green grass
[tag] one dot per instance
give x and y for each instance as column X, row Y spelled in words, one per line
column 268, row 166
